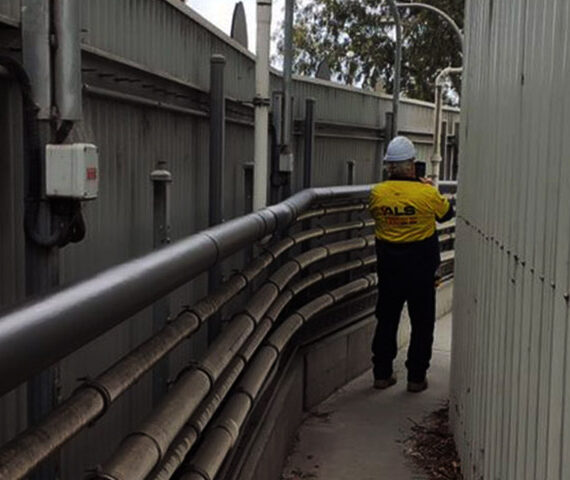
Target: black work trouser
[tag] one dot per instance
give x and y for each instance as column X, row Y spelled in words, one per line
column 406, row 277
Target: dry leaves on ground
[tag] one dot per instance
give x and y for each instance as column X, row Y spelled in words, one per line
column 432, row 448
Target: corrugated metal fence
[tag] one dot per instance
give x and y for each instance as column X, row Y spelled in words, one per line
column 159, row 50
column 510, row 375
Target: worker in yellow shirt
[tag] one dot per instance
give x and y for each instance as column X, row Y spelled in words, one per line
column 405, row 209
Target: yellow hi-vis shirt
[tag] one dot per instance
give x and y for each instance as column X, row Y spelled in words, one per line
column 406, row 210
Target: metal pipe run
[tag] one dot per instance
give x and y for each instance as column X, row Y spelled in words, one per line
column 94, row 397
column 223, row 435
column 333, row 210
column 153, row 438
column 94, row 306
column 187, row 438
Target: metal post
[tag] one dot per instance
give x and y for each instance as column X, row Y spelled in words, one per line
column 288, row 72
column 277, row 121
column 388, row 136
column 444, row 173
column 261, row 103
column 397, row 66
column 286, row 157
column 217, row 151
column 350, row 172
column 436, row 155
column 161, row 180
column 309, row 142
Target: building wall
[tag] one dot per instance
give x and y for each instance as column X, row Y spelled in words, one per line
column 160, row 50
column 510, row 364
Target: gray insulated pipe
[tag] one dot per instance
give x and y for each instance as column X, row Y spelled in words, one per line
column 224, row 433
column 187, row 438
column 92, row 399
column 107, row 299
column 151, row 441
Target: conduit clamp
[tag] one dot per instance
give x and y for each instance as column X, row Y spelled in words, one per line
column 94, row 384
column 261, row 101
column 196, row 469
column 196, row 366
column 152, row 439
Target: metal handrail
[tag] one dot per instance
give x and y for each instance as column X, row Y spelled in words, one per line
column 94, row 306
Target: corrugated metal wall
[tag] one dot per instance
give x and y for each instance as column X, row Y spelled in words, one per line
column 10, row 10
column 159, row 50
column 510, row 365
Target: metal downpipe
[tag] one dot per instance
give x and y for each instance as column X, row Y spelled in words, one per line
column 262, row 103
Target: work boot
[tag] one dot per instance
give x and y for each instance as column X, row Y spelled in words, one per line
column 417, row 387
column 383, row 383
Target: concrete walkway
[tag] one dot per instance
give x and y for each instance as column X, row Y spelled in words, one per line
column 356, row 434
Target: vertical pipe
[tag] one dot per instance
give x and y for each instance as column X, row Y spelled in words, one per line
column 36, row 52
column 309, row 142
column 277, row 121
column 217, row 150
column 67, row 59
column 350, row 172
column 388, row 136
column 397, row 66
column 262, row 103
column 217, row 139
column 436, row 155
column 161, row 180
column 455, row 154
column 444, row 173
column 41, row 263
column 309, row 135
column 288, row 72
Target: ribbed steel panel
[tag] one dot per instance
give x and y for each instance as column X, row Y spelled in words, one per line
column 510, row 388
column 166, row 36
column 13, row 410
column 10, row 9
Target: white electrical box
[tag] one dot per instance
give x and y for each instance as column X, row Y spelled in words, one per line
column 72, row 171
column 286, row 162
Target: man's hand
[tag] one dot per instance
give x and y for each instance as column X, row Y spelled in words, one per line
column 427, row 181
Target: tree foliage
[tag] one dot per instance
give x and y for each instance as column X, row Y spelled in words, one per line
column 356, row 37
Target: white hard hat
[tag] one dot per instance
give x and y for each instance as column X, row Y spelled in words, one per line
column 400, row 149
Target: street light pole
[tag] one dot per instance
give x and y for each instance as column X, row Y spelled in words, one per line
column 441, row 13
column 397, row 67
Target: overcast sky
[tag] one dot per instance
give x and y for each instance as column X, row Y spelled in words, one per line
column 220, row 12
